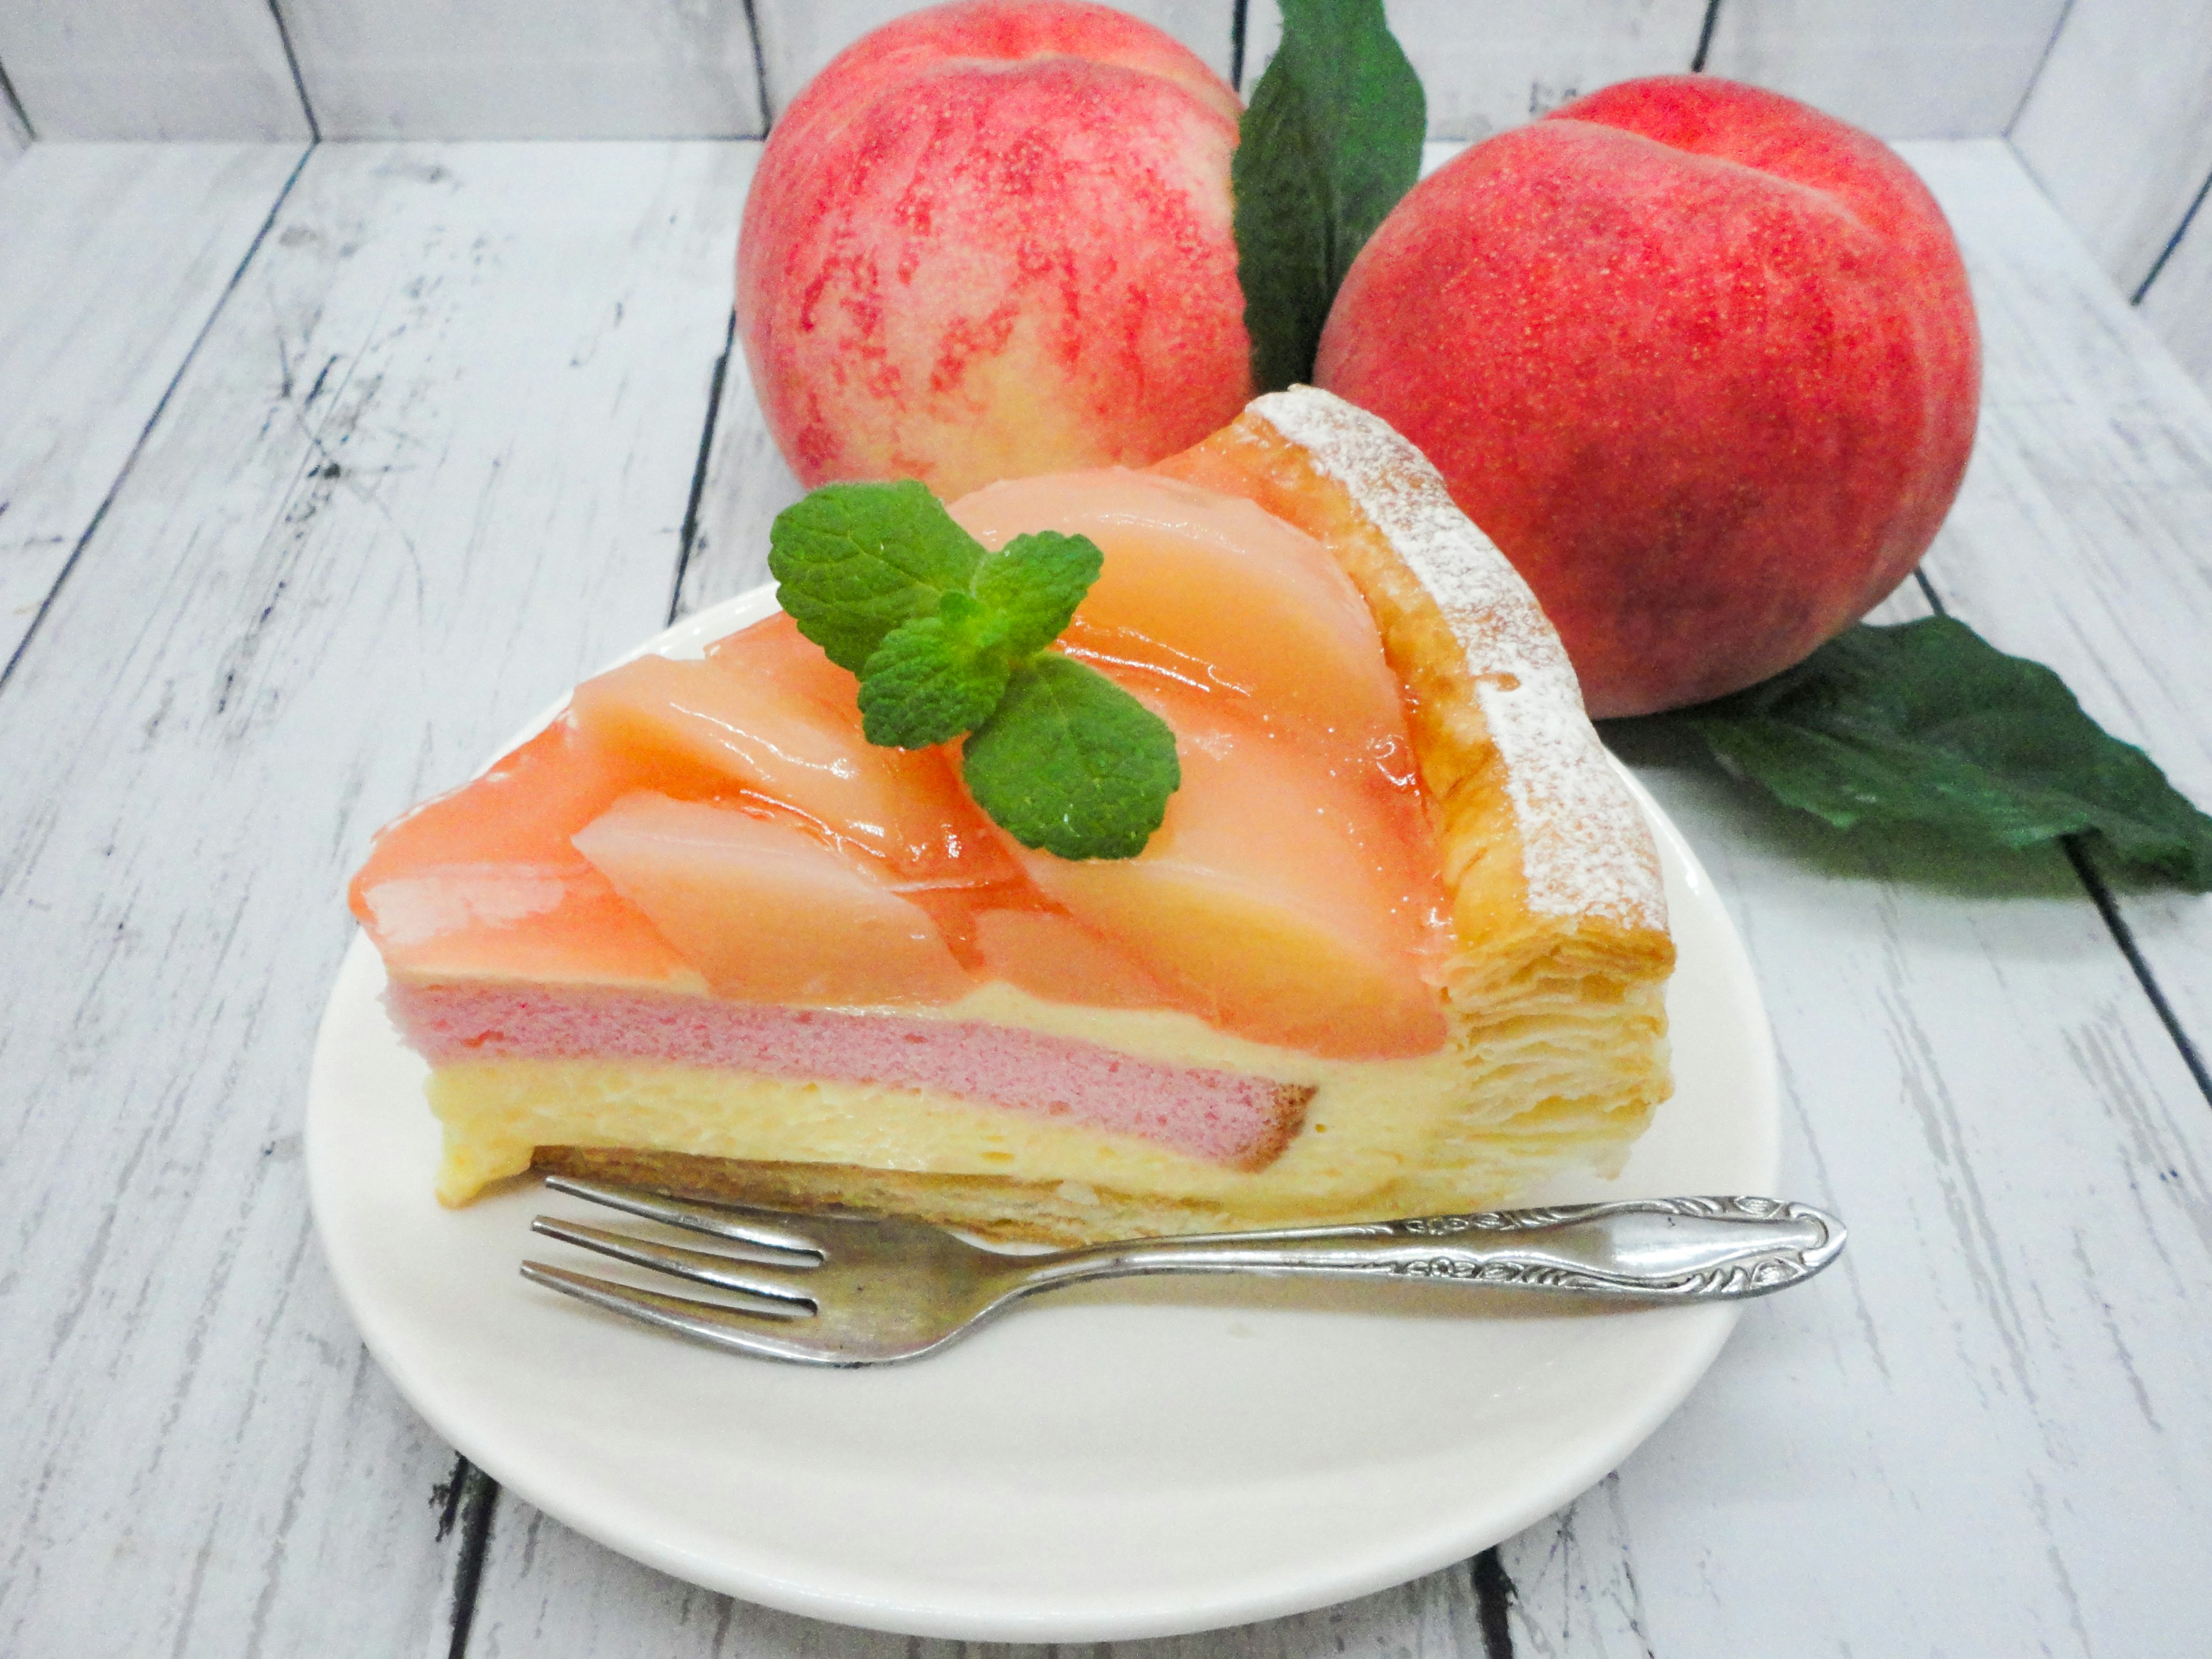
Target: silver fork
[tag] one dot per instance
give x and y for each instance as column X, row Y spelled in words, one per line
column 847, row 1290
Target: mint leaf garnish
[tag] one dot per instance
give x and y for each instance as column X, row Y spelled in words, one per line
column 935, row 676
column 854, row 560
column 1331, row 141
column 1927, row 723
column 948, row 638
column 1071, row 763
column 1035, row 582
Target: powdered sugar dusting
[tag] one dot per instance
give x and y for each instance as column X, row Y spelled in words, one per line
column 1585, row 849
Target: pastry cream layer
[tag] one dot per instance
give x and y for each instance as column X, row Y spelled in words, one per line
column 1498, row 1107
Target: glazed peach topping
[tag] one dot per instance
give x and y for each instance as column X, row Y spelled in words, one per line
column 725, row 819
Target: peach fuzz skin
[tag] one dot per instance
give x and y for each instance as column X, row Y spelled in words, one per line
column 992, row 239
column 1701, row 360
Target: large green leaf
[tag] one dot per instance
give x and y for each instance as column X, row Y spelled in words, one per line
column 1927, row 723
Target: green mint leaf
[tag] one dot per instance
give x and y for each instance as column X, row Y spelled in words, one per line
column 1034, row 584
column 1071, row 763
column 935, row 676
column 1331, row 141
column 1927, row 723
column 854, row 560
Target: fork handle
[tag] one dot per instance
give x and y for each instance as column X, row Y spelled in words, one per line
column 1652, row 1250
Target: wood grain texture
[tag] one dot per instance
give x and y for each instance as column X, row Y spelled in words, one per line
column 2178, row 305
column 799, row 37
column 1903, row 68
column 2095, row 472
column 429, row 465
column 519, row 69
column 1489, row 64
column 2119, row 128
column 151, row 69
column 113, row 260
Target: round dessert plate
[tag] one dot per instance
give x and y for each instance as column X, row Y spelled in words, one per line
column 1125, row 1460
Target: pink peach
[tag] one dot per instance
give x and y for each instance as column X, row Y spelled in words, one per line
column 991, row 239
column 1700, row 359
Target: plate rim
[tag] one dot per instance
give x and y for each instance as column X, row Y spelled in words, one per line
column 1379, row 1565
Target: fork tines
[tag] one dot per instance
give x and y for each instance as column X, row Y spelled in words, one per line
column 754, row 1240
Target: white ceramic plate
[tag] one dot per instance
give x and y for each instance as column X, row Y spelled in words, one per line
column 1117, row 1460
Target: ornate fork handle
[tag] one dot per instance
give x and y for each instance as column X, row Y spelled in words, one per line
column 1659, row 1249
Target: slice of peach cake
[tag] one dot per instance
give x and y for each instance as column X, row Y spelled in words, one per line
column 1395, row 945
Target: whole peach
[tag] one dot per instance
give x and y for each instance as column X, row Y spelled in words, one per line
column 994, row 239
column 1700, row 359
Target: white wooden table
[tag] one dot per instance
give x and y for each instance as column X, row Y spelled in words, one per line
column 321, row 468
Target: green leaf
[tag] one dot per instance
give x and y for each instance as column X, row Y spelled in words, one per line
column 935, row 676
column 1927, row 723
column 1331, row 141
column 947, row 638
column 854, row 560
column 1035, row 582
column 1071, row 763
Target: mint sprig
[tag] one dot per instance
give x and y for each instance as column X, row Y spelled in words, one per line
column 1927, row 723
column 1331, row 141
column 949, row 638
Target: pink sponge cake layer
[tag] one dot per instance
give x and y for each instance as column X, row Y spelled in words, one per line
column 1223, row 1117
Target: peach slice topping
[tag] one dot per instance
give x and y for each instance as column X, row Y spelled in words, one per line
column 1277, row 900
column 727, row 816
column 1210, row 592
column 769, row 739
column 765, row 910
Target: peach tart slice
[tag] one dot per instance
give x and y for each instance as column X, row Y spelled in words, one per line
column 1397, row 947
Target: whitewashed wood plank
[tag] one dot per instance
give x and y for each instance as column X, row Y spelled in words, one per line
column 429, row 465
column 2119, row 128
column 2097, row 449
column 1489, row 64
column 151, row 69
column 527, row 68
column 1902, row 69
column 551, row 1594
column 113, row 258
column 2178, row 304
column 799, row 37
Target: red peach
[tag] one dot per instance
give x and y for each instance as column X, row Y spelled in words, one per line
column 1700, row 359
column 992, row 239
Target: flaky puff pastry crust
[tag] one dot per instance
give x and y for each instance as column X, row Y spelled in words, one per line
column 1550, row 867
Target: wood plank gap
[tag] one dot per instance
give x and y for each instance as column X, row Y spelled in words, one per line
column 690, row 533
column 138, row 445
column 1705, row 36
column 2100, row 891
column 1928, row 591
column 1237, row 45
column 2171, row 242
column 476, row 1495
column 1494, row 1593
column 760, row 68
column 2100, row 895
column 2057, row 29
column 15, row 104
column 299, row 83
